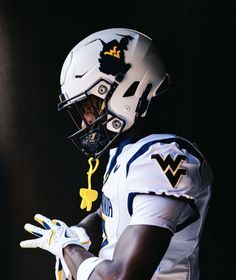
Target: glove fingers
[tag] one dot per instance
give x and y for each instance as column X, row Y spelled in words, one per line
column 81, row 234
column 58, row 222
column 31, row 243
column 44, row 221
column 34, row 230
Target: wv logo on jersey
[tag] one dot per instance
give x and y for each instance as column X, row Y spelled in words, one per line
column 171, row 167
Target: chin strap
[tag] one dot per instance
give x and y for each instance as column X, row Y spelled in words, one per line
column 88, row 195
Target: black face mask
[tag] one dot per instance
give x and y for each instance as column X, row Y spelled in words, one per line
column 95, row 138
column 93, row 141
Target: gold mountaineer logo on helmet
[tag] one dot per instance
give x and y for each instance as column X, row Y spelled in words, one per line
column 113, row 52
column 112, row 56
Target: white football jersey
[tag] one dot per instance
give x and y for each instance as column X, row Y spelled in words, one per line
column 164, row 166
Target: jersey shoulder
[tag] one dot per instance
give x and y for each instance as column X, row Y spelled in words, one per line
column 164, row 164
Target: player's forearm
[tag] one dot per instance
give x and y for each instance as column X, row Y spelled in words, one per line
column 91, row 220
column 74, row 255
column 92, row 225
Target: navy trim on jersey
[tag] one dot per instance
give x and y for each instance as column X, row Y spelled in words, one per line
column 191, row 219
column 126, row 141
column 184, row 144
column 130, row 200
column 141, row 151
column 105, row 241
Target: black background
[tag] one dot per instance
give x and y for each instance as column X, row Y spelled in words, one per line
column 41, row 171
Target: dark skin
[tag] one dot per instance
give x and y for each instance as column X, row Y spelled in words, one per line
column 137, row 254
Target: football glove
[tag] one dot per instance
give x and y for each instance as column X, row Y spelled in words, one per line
column 61, row 269
column 55, row 236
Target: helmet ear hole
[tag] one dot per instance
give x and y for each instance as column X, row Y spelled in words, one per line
column 143, row 102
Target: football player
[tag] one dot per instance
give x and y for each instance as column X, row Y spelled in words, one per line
column 156, row 186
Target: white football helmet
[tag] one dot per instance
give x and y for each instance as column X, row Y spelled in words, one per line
column 118, row 71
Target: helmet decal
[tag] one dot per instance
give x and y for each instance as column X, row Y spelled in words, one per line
column 112, row 56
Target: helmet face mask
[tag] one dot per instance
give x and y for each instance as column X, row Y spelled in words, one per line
column 94, row 139
column 91, row 117
column 115, row 72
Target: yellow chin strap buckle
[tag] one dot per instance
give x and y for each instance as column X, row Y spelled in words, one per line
column 88, row 195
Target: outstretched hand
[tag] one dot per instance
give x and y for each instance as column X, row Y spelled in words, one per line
column 55, row 236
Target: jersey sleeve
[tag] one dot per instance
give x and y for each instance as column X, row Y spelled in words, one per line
column 164, row 169
column 159, row 211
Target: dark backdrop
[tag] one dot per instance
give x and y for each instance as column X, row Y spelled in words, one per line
column 40, row 170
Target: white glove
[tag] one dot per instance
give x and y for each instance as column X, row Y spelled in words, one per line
column 56, row 236
column 61, row 269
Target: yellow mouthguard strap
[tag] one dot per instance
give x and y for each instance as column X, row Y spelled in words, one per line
column 89, row 195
